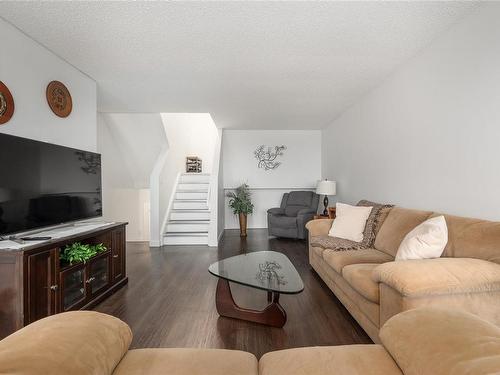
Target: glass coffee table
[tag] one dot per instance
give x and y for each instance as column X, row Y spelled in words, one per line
column 265, row 270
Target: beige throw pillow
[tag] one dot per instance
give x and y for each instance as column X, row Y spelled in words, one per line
column 425, row 241
column 349, row 222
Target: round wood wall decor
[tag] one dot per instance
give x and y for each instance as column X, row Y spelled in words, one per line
column 59, row 99
column 6, row 104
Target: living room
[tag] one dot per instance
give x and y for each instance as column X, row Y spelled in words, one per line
column 249, row 187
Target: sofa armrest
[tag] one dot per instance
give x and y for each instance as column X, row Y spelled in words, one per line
column 319, row 227
column 441, row 276
column 276, row 211
column 77, row 342
column 442, row 341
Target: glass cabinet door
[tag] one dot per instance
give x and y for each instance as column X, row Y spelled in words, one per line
column 73, row 293
column 98, row 273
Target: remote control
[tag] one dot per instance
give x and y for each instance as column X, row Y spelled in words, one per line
column 36, row 238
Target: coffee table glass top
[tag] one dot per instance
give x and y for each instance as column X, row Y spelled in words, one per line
column 267, row 270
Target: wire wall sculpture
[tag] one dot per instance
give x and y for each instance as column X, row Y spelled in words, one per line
column 267, row 156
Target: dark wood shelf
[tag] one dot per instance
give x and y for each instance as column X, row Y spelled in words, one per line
column 34, row 283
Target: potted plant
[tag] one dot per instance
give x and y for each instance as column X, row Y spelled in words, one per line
column 241, row 204
column 78, row 252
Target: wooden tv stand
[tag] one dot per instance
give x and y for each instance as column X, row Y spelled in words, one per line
column 34, row 284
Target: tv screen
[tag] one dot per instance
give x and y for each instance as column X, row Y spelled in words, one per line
column 43, row 184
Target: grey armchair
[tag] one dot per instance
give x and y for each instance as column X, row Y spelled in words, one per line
column 296, row 209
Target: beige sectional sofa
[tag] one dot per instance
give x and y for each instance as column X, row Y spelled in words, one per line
column 420, row 341
column 373, row 287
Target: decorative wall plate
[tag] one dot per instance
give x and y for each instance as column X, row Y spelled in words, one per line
column 59, row 99
column 6, row 104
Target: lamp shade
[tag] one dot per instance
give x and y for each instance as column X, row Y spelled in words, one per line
column 326, row 187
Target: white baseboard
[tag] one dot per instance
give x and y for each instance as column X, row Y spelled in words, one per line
column 153, row 243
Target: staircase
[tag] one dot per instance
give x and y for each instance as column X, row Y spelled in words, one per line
column 189, row 218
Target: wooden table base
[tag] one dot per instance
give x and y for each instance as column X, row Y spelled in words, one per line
column 273, row 315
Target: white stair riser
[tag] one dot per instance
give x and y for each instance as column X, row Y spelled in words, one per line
column 190, row 215
column 180, row 205
column 189, row 195
column 185, row 240
column 187, row 227
column 203, row 187
column 194, row 178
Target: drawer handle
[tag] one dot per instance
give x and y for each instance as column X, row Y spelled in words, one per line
column 115, row 256
column 90, row 279
column 54, row 287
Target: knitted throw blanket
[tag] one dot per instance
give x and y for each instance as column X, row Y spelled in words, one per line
column 373, row 224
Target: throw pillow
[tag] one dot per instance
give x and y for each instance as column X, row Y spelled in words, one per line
column 350, row 222
column 425, row 241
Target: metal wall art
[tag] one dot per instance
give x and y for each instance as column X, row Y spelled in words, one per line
column 267, row 156
column 59, row 99
column 6, row 104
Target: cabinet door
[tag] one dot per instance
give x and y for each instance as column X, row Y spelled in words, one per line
column 118, row 254
column 98, row 277
column 72, row 285
column 42, row 285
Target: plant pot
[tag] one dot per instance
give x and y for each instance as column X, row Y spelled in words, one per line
column 243, row 225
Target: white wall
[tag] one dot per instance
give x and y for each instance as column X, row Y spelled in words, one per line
column 26, row 67
column 428, row 137
column 130, row 145
column 221, row 200
column 216, row 193
column 140, row 138
column 300, row 168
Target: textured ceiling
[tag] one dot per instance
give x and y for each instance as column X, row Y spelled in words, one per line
column 281, row 65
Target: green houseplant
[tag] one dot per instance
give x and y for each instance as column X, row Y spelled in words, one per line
column 78, row 252
column 241, row 203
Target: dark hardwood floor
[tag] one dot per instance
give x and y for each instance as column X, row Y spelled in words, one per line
column 170, row 300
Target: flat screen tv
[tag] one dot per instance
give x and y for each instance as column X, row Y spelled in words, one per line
column 43, row 184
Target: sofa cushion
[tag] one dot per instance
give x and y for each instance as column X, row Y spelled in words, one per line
column 187, row 362
column 347, row 359
column 365, row 312
column 472, row 238
column 282, row 221
column 76, row 343
column 438, row 341
column 359, row 277
column 399, row 222
column 339, row 259
column 417, row 278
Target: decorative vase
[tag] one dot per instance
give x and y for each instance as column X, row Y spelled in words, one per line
column 243, row 224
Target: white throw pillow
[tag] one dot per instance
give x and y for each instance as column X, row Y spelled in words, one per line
column 350, row 222
column 425, row 241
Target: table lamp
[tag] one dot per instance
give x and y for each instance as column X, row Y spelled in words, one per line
column 326, row 188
